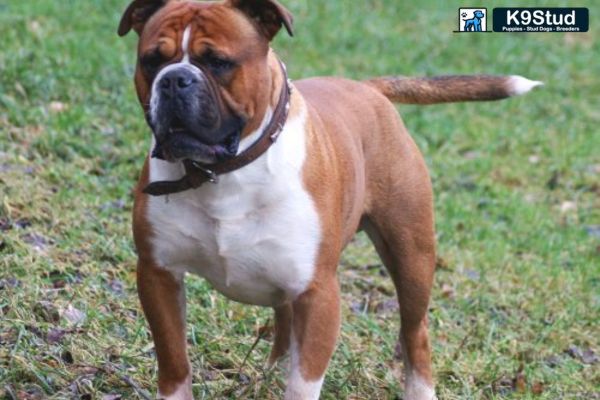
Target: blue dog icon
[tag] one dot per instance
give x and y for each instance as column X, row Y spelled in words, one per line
column 474, row 24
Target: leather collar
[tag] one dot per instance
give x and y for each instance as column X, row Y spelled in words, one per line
column 197, row 174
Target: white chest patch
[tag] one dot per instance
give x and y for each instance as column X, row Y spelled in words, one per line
column 254, row 235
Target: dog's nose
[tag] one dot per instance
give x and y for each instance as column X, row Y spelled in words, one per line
column 178, row 80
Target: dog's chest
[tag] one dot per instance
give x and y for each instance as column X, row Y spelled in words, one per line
column 254, row 235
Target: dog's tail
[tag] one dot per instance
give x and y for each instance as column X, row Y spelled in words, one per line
column 451, row 88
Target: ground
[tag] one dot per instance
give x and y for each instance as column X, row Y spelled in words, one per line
column 515, row 307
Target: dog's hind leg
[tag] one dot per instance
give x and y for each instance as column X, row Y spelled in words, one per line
column 400, row 224
column 282, row 333
column 410, row 261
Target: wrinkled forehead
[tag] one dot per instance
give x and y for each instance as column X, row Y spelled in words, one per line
column 211, row 24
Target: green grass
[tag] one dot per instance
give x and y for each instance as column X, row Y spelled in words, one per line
column 517, row 186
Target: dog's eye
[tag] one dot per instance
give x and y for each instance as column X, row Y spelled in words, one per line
column 151, row 62
column 217, row 64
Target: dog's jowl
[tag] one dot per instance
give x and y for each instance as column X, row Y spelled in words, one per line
column 257, row 184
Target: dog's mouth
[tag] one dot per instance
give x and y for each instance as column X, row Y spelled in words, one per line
column 181, row 144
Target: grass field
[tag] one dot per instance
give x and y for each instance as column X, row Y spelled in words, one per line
column 516, row 303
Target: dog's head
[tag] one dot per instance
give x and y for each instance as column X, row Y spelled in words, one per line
column 203, row 74
column 478, row 14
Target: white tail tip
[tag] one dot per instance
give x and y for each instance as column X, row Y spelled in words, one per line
column 518, row 85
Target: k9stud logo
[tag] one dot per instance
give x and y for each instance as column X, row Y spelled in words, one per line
column 524, row 19
column 472, row 20
column 541, row 19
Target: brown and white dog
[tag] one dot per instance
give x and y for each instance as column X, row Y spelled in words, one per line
column 269, row 230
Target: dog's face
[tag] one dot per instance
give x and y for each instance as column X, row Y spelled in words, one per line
column 478, row 14
column 202, row 75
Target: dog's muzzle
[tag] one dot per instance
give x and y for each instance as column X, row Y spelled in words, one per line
column 189, row 118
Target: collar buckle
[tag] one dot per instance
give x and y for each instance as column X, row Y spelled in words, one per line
column 210, row 174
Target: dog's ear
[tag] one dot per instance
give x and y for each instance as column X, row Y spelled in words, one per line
column 269, row 15
column 137, row 14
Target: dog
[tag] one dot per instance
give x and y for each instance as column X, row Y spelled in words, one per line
column 474, row 24
column 257, row 183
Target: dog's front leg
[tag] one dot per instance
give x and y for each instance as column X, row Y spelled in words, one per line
column 315, row 328
column 162, row 295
